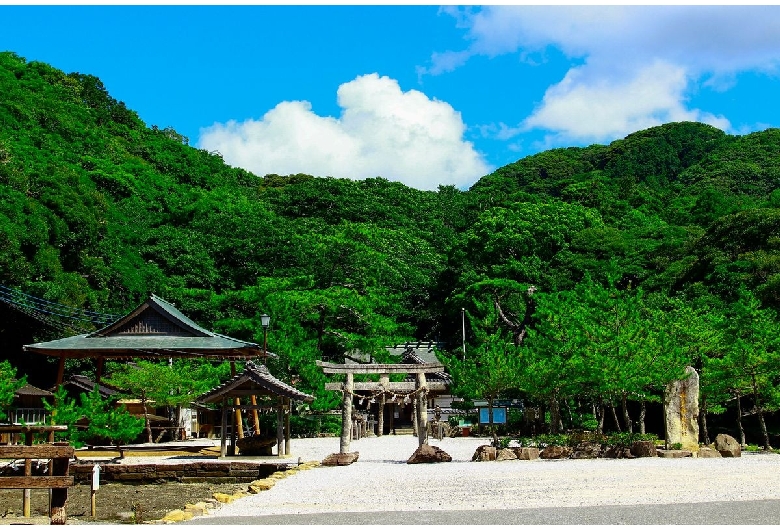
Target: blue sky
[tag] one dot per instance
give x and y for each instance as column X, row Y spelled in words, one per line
column 419, row 94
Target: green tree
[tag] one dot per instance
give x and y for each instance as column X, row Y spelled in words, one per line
column 490, row 368
column 101, row 419
column 9, row 384
column 751, row 358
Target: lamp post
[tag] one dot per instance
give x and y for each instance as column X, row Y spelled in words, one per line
column 265, row 320
column 463, row 326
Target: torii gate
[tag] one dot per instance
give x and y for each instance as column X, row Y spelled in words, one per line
column 385, row 386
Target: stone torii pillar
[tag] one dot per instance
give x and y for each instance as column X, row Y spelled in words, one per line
column 384, row 382
column 349, row 388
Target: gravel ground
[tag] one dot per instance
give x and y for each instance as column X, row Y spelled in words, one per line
column 382, row 481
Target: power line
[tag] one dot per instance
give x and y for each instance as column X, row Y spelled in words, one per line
column 59, row 316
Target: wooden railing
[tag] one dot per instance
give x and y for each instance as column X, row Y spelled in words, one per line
column 58, row 480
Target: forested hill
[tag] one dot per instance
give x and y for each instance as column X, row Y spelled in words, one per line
column 98, row 210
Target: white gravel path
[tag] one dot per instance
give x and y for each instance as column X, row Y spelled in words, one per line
column 382, row 481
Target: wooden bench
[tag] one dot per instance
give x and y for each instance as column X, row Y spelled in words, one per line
column 58, row 480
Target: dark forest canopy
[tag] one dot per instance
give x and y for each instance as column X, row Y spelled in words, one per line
column 97, row 211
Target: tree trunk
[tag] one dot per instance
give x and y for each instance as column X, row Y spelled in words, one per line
column 147, row 421
column 764, row 432
column 703, row 421
column 739, row 420
column 600, row 413
column 642, row 413
column 760, row 410
column 492, row 425
column 626, row 417
column 542, row 420
column 615, row 417
column 555, row 414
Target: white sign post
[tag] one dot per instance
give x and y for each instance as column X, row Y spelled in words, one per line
column 95, row 486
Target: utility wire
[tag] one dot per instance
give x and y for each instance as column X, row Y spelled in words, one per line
column 54, row 314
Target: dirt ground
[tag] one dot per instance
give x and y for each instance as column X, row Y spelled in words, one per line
column 116, row 503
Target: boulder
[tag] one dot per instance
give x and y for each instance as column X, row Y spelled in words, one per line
column 674, row 453
column 340, row 459
column 587, row 450
column 555, row 452
column 505, row 454
column 263, row 484
column 484, row 453
column 177, row 516
column 428, row 454
column 727, row 446
column 708, row 452
column 643, row 449
column 618, row 451
column 526, row 453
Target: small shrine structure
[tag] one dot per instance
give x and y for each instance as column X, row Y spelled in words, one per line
column 256, row 380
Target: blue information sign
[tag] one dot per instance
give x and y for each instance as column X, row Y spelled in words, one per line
column 499, row 415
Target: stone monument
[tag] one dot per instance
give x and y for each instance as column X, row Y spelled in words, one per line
column 681, row 405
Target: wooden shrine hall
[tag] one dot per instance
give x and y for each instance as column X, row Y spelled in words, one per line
column 256, row 380
column 153, row 330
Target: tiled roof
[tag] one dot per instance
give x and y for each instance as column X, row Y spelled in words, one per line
column 153, row 329
column 257, row 378
column 29, row 390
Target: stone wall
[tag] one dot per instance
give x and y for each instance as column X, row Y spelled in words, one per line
column 214, row 472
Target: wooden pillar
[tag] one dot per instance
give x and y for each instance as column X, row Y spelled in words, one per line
column 59, row 496
column 28, row 439
column 61, row 370
column 287, row 450
column 384, row 382
column 239, row 425
column 223, row 442
column 280, row 427
column 99, row 370
column 233, row 438
column 422, row 409
column 346, row 414
column 255, row 417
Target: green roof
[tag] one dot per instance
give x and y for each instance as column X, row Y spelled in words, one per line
column 153, row 329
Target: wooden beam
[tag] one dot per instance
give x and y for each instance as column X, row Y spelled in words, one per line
column 36, row 451
column 44, row 482
column 330, row 368
column 404, row 386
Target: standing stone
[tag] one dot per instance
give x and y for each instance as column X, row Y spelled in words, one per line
column 727, row 446
column 681, row 404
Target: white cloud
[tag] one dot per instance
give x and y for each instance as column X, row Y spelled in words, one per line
column 636, row 64
column 612, row 108
column 382, row 131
